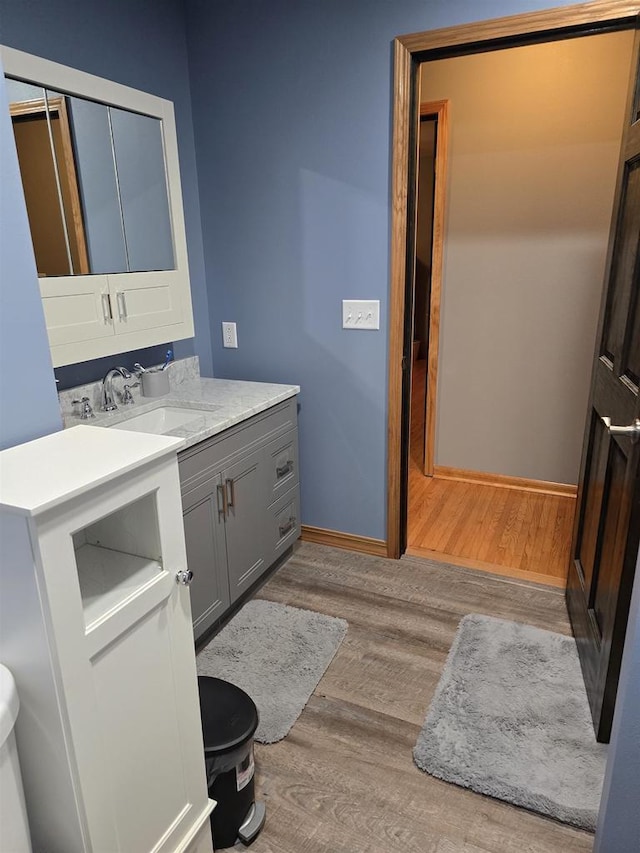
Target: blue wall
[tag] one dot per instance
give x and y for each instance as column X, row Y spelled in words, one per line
column 139, row 43
column 291, row 108
column 28, row 401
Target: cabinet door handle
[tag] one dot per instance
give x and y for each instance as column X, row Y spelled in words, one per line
column 106, row 309
column 287, row 526
column 122, row 305
column 283, row 470
column 222, row 493
column 231, row 492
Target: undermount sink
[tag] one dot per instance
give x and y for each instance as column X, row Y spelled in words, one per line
column 163, row 420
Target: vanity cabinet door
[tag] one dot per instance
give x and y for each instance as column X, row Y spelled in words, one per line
column 76, row 309
column 145, row 300
column 206, row 554
column 246, row 522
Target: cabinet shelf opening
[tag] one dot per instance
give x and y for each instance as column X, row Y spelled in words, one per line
column 117, row 556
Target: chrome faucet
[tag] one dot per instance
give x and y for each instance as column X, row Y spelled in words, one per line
column 108, row 404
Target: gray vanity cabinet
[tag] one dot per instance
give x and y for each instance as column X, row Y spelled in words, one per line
column 241, row 506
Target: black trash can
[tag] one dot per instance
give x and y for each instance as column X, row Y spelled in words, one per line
column 229, row 720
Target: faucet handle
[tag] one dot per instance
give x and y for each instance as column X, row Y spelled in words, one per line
column 86, row 411
column 127, row 396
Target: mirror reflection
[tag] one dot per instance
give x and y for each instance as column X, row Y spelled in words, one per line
column 95, row 184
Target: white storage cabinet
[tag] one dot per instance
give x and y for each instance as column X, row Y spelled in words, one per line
column 96, row 627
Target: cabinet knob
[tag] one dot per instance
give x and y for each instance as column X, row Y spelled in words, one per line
column 184, row 577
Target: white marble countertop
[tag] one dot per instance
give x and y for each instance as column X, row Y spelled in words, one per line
column 221, row 403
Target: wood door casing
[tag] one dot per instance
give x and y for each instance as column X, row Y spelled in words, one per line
column 607, row 529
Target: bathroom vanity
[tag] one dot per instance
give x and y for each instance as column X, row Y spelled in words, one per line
column 95, row 624
column 241, row 504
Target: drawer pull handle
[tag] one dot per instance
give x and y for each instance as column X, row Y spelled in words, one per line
column 287, row 526
column 222, row 493
column 231, row 492
column 107, row 315
column 122, row 305
column 283, row 470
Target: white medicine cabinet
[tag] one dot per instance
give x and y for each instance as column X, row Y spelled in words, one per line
column 101, row 178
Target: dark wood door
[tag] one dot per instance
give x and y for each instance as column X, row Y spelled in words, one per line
column 607, row 528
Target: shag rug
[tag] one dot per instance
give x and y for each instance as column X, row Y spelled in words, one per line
column 510, row 718
column 277, row 654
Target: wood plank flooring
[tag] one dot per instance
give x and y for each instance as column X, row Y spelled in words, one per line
column 512, row 529
column 343, row 780
column 517, row 532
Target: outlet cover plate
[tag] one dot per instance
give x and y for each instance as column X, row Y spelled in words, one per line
column 229, row 335
column 360, row 313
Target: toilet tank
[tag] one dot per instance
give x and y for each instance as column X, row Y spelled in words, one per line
column 14, row 829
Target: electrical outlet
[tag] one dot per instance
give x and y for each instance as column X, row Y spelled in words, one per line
column 360, row 313
column 229, row 335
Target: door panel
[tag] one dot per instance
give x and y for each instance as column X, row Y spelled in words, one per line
column 204, row 536
column 145, row 300
column 155, row 799
column 76, row 309
column 593, row 491
column 245, row 525
column 626, row 251
column 607, row 528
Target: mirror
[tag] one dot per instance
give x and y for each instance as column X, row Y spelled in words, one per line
column 101, row 176
column 95, row 183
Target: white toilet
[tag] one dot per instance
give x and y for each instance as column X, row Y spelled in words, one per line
column 14, row 829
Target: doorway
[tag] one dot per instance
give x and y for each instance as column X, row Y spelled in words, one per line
column 411, row 51
column 530, row 189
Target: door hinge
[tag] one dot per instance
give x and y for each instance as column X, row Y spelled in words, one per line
column 405, row 363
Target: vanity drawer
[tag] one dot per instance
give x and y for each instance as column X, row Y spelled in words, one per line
column 282, row 464
column 284, row 522
column 198, row 462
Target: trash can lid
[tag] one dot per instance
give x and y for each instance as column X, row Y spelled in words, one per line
column 229, row 715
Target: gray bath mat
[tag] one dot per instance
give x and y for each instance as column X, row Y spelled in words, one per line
column 277, row 654
column 510, row 719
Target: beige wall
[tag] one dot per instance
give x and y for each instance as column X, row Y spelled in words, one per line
column 534, row 147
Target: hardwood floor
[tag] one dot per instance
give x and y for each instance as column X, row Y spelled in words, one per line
column 343, row 780
column 511, row 531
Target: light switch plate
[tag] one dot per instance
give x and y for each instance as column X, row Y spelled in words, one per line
column 360, row 313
